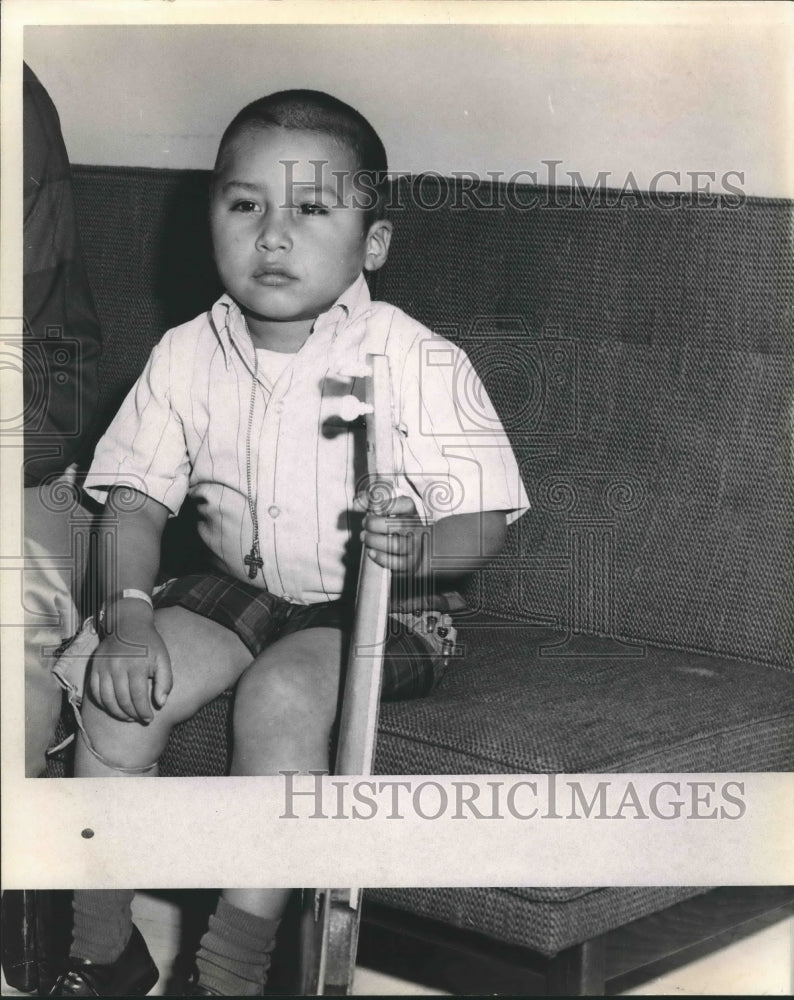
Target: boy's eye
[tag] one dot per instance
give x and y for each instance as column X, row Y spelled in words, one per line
column 312, row 208
column 244, row 206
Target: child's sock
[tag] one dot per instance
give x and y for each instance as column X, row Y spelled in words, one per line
column 102, row 924
column 234, row 955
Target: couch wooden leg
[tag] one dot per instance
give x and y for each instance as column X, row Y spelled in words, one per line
column 578, row 971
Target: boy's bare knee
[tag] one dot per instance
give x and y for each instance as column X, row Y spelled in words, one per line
column 125, row 744
column 286, row 704
column 295, row 676
column 274, row 681
column 275, row 687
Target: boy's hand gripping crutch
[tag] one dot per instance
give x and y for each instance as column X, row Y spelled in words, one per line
column 330, row 923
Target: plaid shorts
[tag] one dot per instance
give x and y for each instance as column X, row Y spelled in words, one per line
column 413, row 664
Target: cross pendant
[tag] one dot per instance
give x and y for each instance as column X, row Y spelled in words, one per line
column 254, row 562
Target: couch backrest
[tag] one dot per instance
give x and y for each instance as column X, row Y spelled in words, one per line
column 639, row 355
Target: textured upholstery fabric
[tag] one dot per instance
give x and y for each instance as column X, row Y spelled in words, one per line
column 522, row 702
column 546, row 920
column 530, row 700
column 149, row 260
column 640, row 359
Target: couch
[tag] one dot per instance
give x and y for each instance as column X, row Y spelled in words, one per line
column 638, row 350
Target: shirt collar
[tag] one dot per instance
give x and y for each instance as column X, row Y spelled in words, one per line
column 231, row 329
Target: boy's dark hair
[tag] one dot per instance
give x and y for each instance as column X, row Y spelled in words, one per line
column 315, row 111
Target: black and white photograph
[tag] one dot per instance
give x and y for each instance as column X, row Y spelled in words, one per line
column 398, row 463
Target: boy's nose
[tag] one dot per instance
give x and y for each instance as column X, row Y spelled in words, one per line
column 273, row 234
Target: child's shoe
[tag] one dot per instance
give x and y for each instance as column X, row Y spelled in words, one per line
column 133, row 974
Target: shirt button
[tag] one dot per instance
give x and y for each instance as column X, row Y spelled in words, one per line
column 279, row 407
column 274, row 511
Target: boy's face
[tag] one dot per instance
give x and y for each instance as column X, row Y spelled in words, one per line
column 288, row 239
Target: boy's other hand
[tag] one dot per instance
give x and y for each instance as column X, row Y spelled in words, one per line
column 131, row 672
column 397, row 541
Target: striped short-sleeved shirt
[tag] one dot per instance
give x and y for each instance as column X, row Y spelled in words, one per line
column 188, row 428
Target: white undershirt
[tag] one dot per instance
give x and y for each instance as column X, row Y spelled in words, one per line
column 272, row 363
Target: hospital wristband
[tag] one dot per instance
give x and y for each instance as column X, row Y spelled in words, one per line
column 139, row 595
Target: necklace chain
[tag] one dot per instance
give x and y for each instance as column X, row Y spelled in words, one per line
column 253, row 560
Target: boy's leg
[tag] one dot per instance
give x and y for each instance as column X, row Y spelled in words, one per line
column 284, row 711
column 286, row 704
column 206, row 659
column 105, row 908
column 130, row 973
column 234, row 955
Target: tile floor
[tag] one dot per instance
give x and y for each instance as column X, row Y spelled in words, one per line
column 761, row 965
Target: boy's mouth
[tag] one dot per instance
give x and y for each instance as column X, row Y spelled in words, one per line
column 272, row 274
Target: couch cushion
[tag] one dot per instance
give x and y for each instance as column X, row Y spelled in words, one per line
column 641, row 359
column 527, row 699
column 546, row 920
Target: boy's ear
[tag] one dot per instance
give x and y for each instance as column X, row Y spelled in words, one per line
column 378, row 240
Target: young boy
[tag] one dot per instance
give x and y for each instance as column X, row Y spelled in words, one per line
column 238, row 410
